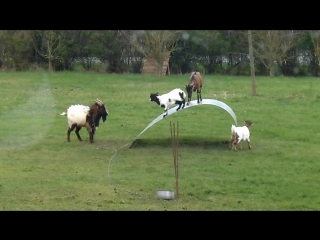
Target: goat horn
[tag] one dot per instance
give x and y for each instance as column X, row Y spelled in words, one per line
column 99, row 102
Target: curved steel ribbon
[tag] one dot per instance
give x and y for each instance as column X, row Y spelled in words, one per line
column 192, row 104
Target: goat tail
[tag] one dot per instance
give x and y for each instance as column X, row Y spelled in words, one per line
column 233, row 129
column 192, row 76
column 63, row 114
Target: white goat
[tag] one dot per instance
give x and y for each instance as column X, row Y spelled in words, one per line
column 83, row 116
column 239, row 134
column 176, row 96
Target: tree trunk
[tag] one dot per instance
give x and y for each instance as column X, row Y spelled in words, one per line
column 159, row 69
column 49, row 56
column 50, row 65
column 317, row 50
column 252, row 70
column 272, row 67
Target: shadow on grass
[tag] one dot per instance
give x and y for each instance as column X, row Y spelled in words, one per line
column 183, row 142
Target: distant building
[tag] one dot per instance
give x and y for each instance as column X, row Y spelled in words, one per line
column 150, row 68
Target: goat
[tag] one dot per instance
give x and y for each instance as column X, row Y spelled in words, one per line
column 195, row 84
column 239, row 134
column 176, row 96
column 83, row 116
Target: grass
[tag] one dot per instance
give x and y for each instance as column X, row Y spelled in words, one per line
column 40, row 171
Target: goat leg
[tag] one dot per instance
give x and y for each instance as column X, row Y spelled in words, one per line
column 236, row 144
column 189, row 100
column 179, row 106
column 165, row 113
column 234, row 147
column 231, row 141
column 233, row 144
column 91, row 137
column 77, row 133
column 199, row 96
column 70, row 129
column 91, row 133
column 68, row 135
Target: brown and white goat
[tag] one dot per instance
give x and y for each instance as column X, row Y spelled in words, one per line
column 83, row 116
column 239, row 134
column 195, row 84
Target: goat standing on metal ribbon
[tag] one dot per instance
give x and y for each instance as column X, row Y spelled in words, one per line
column 176, row 96
column 195, row 84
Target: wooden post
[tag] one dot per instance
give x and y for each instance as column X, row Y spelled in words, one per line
column 175, row 143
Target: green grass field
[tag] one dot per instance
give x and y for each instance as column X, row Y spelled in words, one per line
column 40, row 170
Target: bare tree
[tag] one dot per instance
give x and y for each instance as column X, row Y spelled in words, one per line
column 4, row 55
column 253, row 77
column 272, row 46
column 46, row 43
column 14, row 49
column 315, row 38
column 156, row 45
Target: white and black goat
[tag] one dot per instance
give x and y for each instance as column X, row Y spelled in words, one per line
column 176, row 96
column 84, row 116
column 239, row 134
